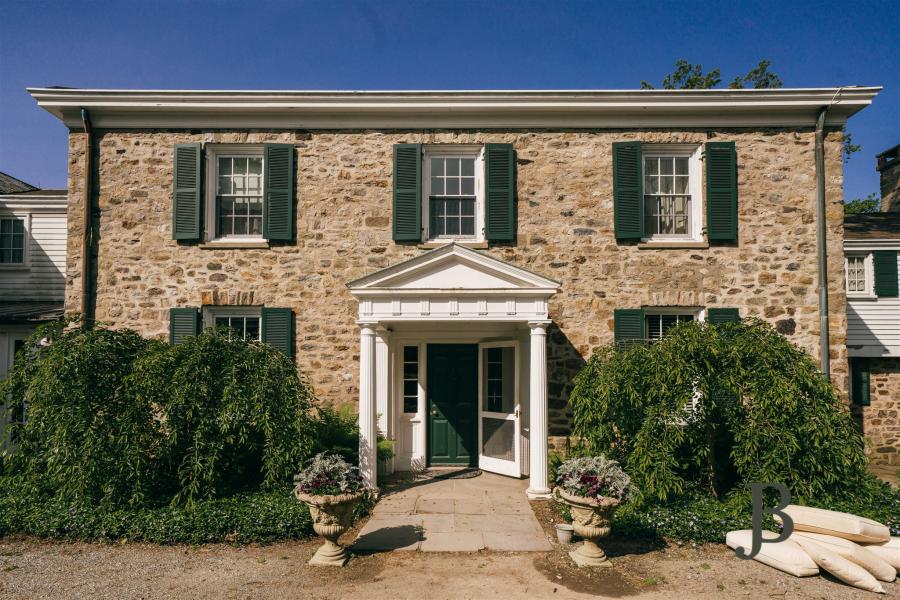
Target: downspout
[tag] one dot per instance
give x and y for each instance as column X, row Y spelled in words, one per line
column 824, row 345
column 87, row 316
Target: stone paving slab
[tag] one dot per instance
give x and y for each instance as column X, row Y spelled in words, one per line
column 455, row 541
column 454, row 515
column 390, row 532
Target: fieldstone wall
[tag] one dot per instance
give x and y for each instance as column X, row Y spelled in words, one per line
column 880, row 421
column 565, row 231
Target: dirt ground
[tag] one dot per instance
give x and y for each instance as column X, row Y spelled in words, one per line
column 32, row 568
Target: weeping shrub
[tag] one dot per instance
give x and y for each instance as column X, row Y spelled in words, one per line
column 86, row 439
column 719, row 406
column 235, row 415
column 118, row 420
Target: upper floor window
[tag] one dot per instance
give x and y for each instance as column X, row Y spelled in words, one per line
column 234, row 203
column 239, row 198
column 859, row 275
column 12, row 241
column 671, row 192
column 453, row 199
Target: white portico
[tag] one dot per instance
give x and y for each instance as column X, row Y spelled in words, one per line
column 453, row 364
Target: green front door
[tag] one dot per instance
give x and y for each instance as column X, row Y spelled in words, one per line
column 452, row 403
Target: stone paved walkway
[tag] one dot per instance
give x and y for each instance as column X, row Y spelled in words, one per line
column 454, row 515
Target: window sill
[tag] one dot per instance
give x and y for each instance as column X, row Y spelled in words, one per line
column 862, row 297
column 673, row 245
column 233, row 244
column 440, row 244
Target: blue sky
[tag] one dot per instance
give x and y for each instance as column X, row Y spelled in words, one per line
column 268, row 44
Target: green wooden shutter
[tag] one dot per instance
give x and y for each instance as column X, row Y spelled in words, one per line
column 407, row 192
column 860, row 381
column 723, row 315
column 187, row 197
column 629, row 324
column 885, row 262
column 278, row 206
column 628, row 190
column 183, row 322
column 278, row 329
column 500, row 192
column 721, row 192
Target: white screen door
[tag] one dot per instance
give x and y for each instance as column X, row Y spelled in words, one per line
column 498, row 408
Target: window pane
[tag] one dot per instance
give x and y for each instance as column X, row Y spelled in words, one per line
column 240, row 166
column 650, row 166
column 437, row 166
column 17, row 256
column 437, row 186
column 452, row 187
column 410, row 388
column 453, row 166
column 665, row 165
column 252, row 328
column 467, row 226
column 240, row 226
column 651, row 185
column 468, row 187
column 224, row 166
column 681, row 185
column 224, row 185
column 681, row 165
column 254, row 166
column 5, row 256
column 410, row 370
column 410, row 353
column 452, row 226
column 666, row 185
column 468, row 167
column 467, row 207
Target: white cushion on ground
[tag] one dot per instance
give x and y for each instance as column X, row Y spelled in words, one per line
column 785, row 556
column 840, row 524
column 852, row 552
column 848, row 572
column 888, row 551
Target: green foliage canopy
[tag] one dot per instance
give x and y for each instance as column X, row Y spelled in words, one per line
column 115, row 419
column 718, row 406
column 869, row 204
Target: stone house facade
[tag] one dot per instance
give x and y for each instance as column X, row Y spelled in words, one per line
column 545, row 223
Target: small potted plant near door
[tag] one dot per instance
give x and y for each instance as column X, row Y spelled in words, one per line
column 332, row 488
column 592, row 487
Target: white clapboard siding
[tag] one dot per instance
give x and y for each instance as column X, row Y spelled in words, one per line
column 44, row 279
column 873, row 326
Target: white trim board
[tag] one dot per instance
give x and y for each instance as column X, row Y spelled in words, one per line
column 489, row 109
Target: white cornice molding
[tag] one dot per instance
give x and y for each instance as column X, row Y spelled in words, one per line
column 491, row 109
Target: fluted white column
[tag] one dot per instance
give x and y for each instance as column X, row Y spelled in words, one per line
column 368, row 465
column 538, row 486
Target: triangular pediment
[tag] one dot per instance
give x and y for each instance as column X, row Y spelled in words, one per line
column 453, row 267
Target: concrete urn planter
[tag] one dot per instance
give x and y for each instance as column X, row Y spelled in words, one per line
column 332, row 516
column 592, row 520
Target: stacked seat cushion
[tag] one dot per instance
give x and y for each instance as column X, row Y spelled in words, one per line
column 888, row 551
column 785, row 556
column 848, row 572
column 838, row 524
column 852, row 552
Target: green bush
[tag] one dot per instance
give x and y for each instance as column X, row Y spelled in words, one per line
column 117, row 420
column 86, row 439
column 236, row 414
column 763, row 413
column 252, row 517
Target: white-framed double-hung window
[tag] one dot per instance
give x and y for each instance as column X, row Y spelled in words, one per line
column 453, row 203
column 859, row 275
column 672, row 192
column 234, row 203
column 659, row 321
column 244, row 322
